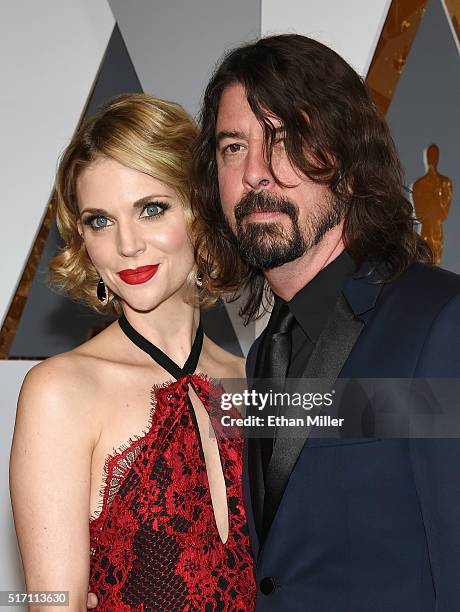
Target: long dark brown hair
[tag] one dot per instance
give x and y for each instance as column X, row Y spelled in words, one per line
column 333, row 133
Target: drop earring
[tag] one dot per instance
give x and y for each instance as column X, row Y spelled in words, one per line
column 199, row 279
column 101, row 292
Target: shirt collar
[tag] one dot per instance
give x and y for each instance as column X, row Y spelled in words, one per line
column 313, row 304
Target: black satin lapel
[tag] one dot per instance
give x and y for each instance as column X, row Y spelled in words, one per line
column 328, row 358
column 254, row 455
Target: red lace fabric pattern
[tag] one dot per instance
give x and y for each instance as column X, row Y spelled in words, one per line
column 155, row 545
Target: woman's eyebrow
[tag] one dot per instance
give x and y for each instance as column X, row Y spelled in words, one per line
column 146, row 199
column 95, row 211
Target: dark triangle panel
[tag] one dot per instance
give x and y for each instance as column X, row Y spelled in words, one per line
column 52, row 323
column 218, row 326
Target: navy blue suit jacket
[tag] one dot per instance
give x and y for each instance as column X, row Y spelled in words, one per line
column 370, row 524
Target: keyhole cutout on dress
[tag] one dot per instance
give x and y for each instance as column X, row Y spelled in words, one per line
column 209, row 445
column 214, row 471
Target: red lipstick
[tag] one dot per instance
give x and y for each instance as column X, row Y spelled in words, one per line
column 137, row 276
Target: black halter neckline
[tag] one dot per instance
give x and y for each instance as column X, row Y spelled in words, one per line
column 157, row 354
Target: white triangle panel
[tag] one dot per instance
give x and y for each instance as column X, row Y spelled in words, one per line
column 351, row 28
column 50, row 53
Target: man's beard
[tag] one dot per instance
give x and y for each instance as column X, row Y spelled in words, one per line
column 267, row 244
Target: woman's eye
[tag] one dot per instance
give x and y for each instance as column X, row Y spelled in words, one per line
column 152, row 210
column 97, row 222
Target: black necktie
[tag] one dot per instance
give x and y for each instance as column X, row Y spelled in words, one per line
column 274, row 364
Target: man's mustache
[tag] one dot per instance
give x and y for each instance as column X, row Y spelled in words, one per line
column 261, row 201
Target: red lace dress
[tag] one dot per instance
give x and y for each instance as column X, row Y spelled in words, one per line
column 155, row 545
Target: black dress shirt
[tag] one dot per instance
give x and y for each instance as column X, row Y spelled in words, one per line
column 311, row 306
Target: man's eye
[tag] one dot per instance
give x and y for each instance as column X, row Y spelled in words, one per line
column 232, row 148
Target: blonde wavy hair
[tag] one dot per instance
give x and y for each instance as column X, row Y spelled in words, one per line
column 147, row 134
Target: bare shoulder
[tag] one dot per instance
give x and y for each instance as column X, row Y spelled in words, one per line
column 61, row 374
column 51, row 377
column 64, row 387
column 222, row 363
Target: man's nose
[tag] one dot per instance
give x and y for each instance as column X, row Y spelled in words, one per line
column 257, row 173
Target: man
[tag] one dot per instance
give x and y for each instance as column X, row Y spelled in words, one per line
column 296, row 172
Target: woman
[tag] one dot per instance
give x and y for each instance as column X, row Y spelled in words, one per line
column 167, row 528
